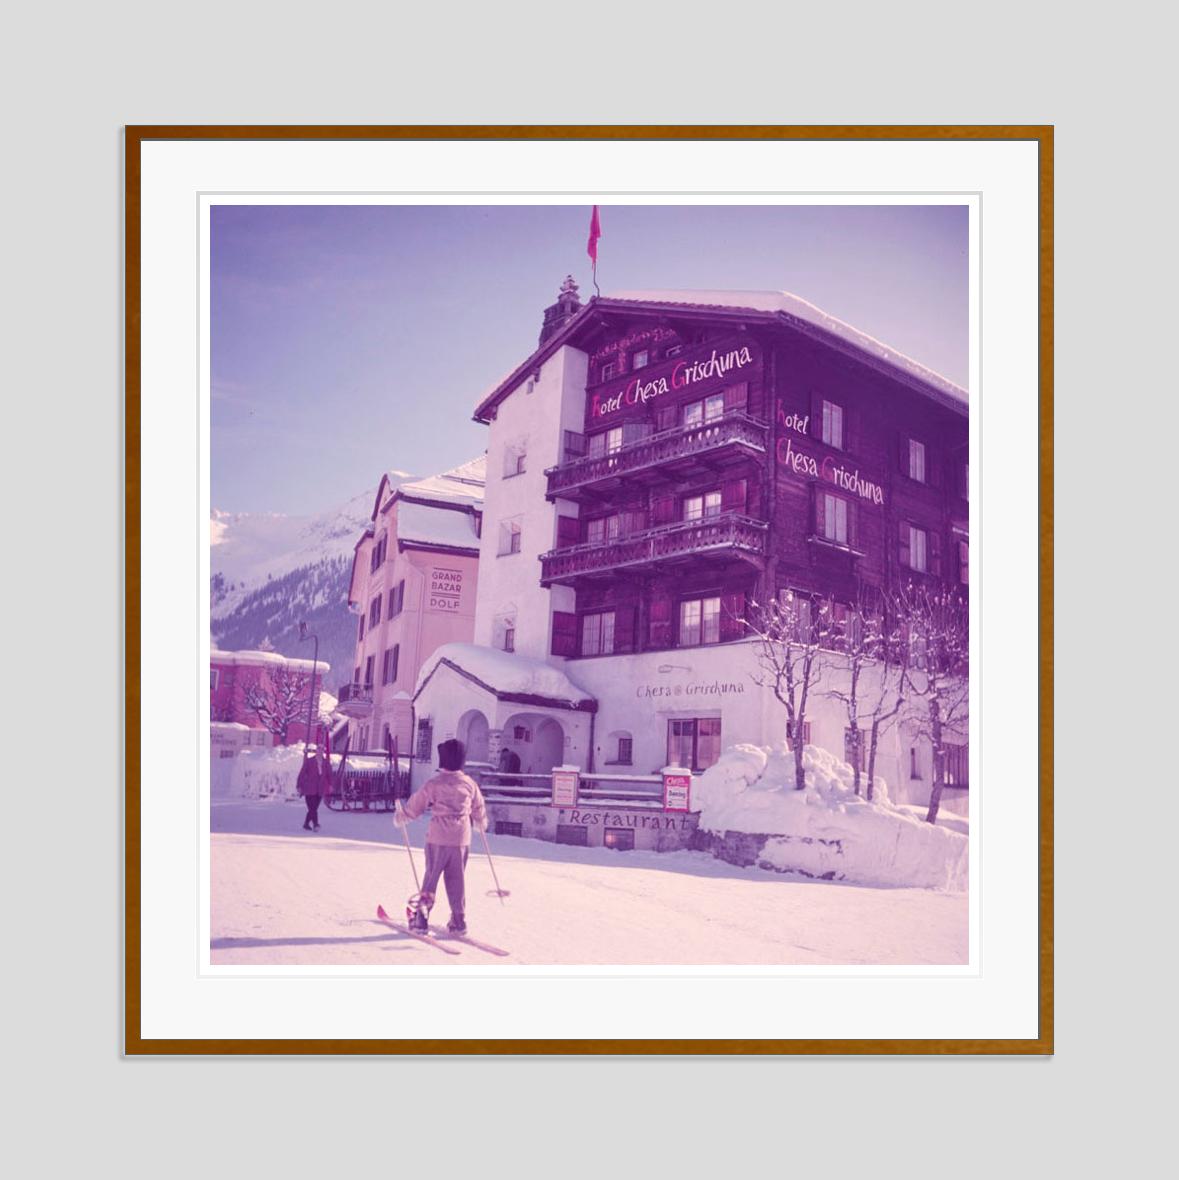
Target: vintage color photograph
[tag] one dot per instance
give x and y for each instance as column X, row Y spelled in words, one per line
column 590, row 585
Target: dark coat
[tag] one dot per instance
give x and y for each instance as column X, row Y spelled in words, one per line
column 314, row 779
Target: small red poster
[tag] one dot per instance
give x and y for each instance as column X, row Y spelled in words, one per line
column 677, row 792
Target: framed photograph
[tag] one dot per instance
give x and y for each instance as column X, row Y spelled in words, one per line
column 621, row 562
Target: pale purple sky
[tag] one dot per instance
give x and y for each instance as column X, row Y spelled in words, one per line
column 348, row 340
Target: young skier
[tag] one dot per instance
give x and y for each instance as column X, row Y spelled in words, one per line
column 455, row 803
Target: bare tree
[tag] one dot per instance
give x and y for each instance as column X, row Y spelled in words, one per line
column 793, row 634
column 936, row 622
column 873, row 657
column 279, row 700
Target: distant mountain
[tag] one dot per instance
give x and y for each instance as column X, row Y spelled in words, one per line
column 269, row 571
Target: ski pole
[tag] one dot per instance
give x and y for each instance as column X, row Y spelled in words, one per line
column 500, row 893
column 409, row 851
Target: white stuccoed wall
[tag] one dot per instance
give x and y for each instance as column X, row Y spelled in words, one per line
column 537, row 419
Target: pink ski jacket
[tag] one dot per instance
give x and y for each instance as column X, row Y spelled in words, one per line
column 454, row 801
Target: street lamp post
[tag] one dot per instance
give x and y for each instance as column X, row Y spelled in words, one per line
column 305, row 634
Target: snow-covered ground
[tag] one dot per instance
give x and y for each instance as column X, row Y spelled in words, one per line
column 281, row 895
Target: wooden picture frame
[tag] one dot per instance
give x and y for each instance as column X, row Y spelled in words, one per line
column 140, row 1040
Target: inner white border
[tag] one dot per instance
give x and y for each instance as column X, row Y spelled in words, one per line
column 586, row 1002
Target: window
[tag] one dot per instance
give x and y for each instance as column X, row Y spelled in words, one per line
column 833, row 518
column 504, row 827
column 368, row 672
column 510, row 635
column 916, row 460
column 608, row 370
column 957, row 765
column 625, row 751
column 214, row 677
column 396, row 599
column 622, row 839
column 603, row 530
column 693, row 742
column 797, row 615
column 705, row 505
column 918, row 549
column 606, row 442
column 356, row 674
column 597, row 634
column 639, row 359
column 964, row 563
column 515, row 459
column 918, row 650
column 914, row 768
column 699, row 621
column 833, row 424
column 389, row 666
column 806, row 735
column 374, row 612
column 509, row 537
column 708, row 410
column 360, row 633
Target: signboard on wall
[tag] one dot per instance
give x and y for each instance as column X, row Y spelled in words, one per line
column 445, row 590
column 677, row 792
column 699, row 371
column 565, row 783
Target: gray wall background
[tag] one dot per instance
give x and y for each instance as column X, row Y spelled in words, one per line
column 76, row 76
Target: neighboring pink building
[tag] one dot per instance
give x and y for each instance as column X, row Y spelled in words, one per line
column 414, row 577
column 278, row 684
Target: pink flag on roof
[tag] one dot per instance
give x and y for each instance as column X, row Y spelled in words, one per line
column 595, row 232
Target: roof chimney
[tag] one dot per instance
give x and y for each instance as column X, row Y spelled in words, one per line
column 567, row 306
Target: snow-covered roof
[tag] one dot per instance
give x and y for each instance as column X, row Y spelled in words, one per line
column 507, row 674
column 801, row 309
column 427, row 524
column 267, row 659
column 460, row 485
column 774, row 306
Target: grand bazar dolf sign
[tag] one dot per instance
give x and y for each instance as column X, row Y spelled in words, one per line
column 643, row 387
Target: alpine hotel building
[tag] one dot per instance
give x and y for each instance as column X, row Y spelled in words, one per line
column 659, row 462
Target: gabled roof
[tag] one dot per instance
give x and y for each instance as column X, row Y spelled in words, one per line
column 507, row 676
column 770, row 308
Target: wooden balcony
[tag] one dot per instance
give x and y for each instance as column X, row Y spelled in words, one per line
column 723, row 538
column 711, row 446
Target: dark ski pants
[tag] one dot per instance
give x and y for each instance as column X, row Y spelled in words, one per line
column 312, row 802
column 448, row 862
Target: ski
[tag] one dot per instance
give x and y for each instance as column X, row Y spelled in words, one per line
column 446, row 935
column 403, row 929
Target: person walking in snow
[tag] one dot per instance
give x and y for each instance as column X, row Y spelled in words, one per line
column 455, row 804
column 314, row 782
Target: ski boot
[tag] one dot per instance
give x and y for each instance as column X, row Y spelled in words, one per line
column 417, row 913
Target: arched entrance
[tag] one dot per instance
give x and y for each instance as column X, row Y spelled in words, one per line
column 472, row 732
column 537, row 740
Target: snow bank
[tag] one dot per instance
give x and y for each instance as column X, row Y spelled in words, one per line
column 505, row 672
column 826, row 830
column 266, row 774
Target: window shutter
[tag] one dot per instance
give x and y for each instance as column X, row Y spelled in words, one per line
column 736, row 397
column 662, row 509
column 934, row 542
column 665, row 418
column 816, row 422
column 624, row 628
column 568, row 531
column 903, row 551
column 853, row 524
column 660, row 621
column 933, row 469
column 817, row 509
column 564, row 633
column 732, row 625
column 903, row 454
column 733, row 496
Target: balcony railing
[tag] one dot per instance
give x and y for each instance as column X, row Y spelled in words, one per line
column 731, row 531
column 355, row 700
column 684, row 442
